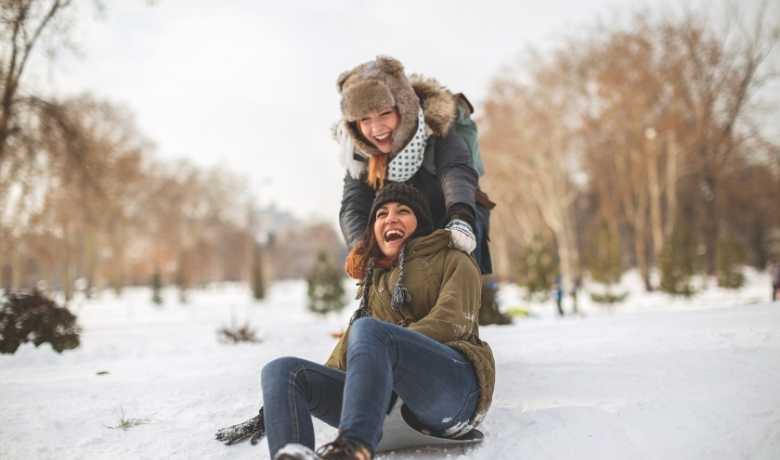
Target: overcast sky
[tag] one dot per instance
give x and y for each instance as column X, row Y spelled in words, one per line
column 250, row 85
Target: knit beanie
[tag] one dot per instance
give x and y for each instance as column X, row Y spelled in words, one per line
column 374, row 86
column 403, row 193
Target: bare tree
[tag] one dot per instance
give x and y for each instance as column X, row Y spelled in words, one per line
column 23, row 24
column 722, row 73
column 636, row 120
column 531, row 138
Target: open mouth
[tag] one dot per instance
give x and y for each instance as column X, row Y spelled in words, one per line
column 393, row 235
column 382, row 138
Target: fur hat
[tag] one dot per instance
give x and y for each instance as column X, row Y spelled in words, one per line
column 400, row 192
column 373, row 86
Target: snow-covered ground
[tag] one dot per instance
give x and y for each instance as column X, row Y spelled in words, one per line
column 655, row 378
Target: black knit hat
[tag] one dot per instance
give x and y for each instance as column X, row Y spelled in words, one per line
column 399, row 192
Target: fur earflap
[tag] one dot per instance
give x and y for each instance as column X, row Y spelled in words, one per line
column 438, row 103
column 342, row 78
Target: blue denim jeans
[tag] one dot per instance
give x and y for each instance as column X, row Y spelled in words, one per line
column 435, row 381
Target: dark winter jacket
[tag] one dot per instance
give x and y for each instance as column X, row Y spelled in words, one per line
column 447, row 176
column 445, row 289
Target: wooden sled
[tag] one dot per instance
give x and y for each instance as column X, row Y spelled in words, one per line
column 398, row 432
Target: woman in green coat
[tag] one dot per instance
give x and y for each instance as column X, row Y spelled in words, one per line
column 414, row 336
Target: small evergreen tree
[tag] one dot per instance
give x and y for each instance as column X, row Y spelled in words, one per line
column 731, row 256
column 605, row 264
column 536, row 268
column 325, row 286
column 678, row 261
column 35, row 318
column 258, row 277
column 182, row 279
column 157, row 287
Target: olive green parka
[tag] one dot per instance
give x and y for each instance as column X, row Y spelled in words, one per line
column 444, row 284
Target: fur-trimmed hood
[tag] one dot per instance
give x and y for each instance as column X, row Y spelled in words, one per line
column 439, row 107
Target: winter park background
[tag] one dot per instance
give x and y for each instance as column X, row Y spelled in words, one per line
column 170, row 191
column 657, row 378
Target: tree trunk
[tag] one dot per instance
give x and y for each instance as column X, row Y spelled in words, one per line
column 711, row 223
column 641, row 238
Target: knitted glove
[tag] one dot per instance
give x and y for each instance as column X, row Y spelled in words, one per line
column 254, row 428
column 461, row 235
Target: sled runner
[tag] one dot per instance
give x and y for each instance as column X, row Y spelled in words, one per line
column 398, row 432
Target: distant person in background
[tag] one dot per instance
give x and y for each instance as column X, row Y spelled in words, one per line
column 559, row 294
column 576, row 285
column 775, row 273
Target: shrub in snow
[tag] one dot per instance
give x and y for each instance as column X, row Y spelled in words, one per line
column 605, row 265
column 157, row 288
column 182, row 277
column 238, row 334
column 678, row 261
column 125, row 423
column 258, row 277
column 325, row 287
column 604, row 257
column 33, row 317
column 608, row 297
column 536, row 268
column 730, row 258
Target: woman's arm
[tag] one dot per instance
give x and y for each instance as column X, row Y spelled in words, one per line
column 457, row 176
column 456, row 311
column 356, row 199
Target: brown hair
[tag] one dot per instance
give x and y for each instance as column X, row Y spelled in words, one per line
column 364, row 250
column 377, row 170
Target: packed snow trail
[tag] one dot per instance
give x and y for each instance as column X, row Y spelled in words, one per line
column 651, row 382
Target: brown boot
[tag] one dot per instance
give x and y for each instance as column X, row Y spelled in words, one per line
column 344, row 449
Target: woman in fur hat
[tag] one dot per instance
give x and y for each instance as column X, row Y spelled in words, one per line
column 399, row 129
column 414, row 336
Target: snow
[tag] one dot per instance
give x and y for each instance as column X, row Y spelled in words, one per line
column 655, row 377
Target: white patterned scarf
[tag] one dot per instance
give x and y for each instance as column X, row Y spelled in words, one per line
column 407, row 162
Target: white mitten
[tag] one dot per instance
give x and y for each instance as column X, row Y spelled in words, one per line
column 461, row 235
column 347, row 150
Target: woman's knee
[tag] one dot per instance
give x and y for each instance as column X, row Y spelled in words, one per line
column 280, row 367
column 367, row 327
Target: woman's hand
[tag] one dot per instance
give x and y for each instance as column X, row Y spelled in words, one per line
column 253, row 428
column 461, row 235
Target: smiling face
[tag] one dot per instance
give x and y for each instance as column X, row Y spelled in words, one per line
column 378, row 128
column 395, row 223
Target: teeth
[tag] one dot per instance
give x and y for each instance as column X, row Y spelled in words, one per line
column 382, row 137
column 391, row 235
